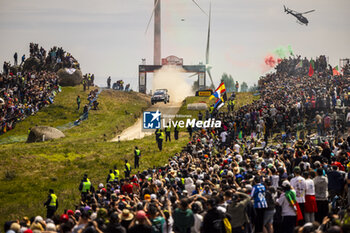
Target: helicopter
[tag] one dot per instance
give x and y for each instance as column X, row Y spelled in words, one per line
column 301, row 19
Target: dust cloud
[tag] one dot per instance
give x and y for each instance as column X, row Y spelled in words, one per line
column 173, row 79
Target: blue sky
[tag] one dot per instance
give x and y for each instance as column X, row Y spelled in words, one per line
column 108, row 36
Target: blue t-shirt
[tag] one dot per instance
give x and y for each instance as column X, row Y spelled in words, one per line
column 258, row 194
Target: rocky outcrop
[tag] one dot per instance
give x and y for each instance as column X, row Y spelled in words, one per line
column 70, row 77
column 32, row 63
column 44, row 133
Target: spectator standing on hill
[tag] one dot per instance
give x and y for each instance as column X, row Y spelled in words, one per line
column 51, row 204
column 15, row 57
column 236, row 208
column 23, row 59
column 321, row 194
column 183, row 217
column 140, row 223
column 78, row 102
column 114, row 224
column 289, row 215
column 109, row 82
column 299, row 185
column 260, row 204
column 86, row 112
column 84, row 84
column 213, row 218
column 336, row 182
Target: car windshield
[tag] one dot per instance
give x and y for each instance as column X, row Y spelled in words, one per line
column 159, row 93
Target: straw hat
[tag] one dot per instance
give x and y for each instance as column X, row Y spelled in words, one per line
column 126, row 215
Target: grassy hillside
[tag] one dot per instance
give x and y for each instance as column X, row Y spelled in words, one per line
column 61, row 112
column 29, row 170
column 241, row 99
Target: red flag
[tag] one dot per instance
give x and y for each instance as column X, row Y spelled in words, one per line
column 311, row 71
column 299, row 213
column 335, row 72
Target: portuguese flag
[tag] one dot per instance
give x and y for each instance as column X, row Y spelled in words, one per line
column 311, row 70
column 292, row 199
column 336, row 71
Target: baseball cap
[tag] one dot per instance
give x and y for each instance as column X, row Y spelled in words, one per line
column 64, row 218
column 140, row 215
column 147, row 197
column 285, row 183
column 70, row 212
column 296, row 169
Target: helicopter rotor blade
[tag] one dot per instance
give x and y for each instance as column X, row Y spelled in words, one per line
column 199, row 7
column 150, row 19
column 308, row 12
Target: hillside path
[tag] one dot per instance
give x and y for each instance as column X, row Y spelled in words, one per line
column 135, row 131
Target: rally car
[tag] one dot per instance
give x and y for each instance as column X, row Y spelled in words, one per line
column 160, row 95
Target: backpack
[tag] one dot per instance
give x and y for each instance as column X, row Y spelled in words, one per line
column 222, row 225
column 218, row 225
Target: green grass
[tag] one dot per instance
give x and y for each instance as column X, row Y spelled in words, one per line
column 29, row 170
column 241, row 100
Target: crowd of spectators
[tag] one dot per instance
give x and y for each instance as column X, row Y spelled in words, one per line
column 88, row 80
column 236, row 178
column 23, row 95
column 25, row 90
column 55, row 59
column 119, row 85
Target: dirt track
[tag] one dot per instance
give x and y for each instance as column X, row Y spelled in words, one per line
column 135, row 131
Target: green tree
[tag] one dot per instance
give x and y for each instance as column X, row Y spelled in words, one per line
column 244, row 87
column 229, row 82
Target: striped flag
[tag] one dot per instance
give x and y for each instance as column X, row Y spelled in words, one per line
column 220, row 102
column 219, row 91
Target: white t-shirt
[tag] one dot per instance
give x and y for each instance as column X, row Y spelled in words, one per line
column 298, row 183
column 310, row 187
column 223, row 136
column 274, row 180
column 236, row 148
column 287, row 209
column 170, row 226
column 198, row 219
